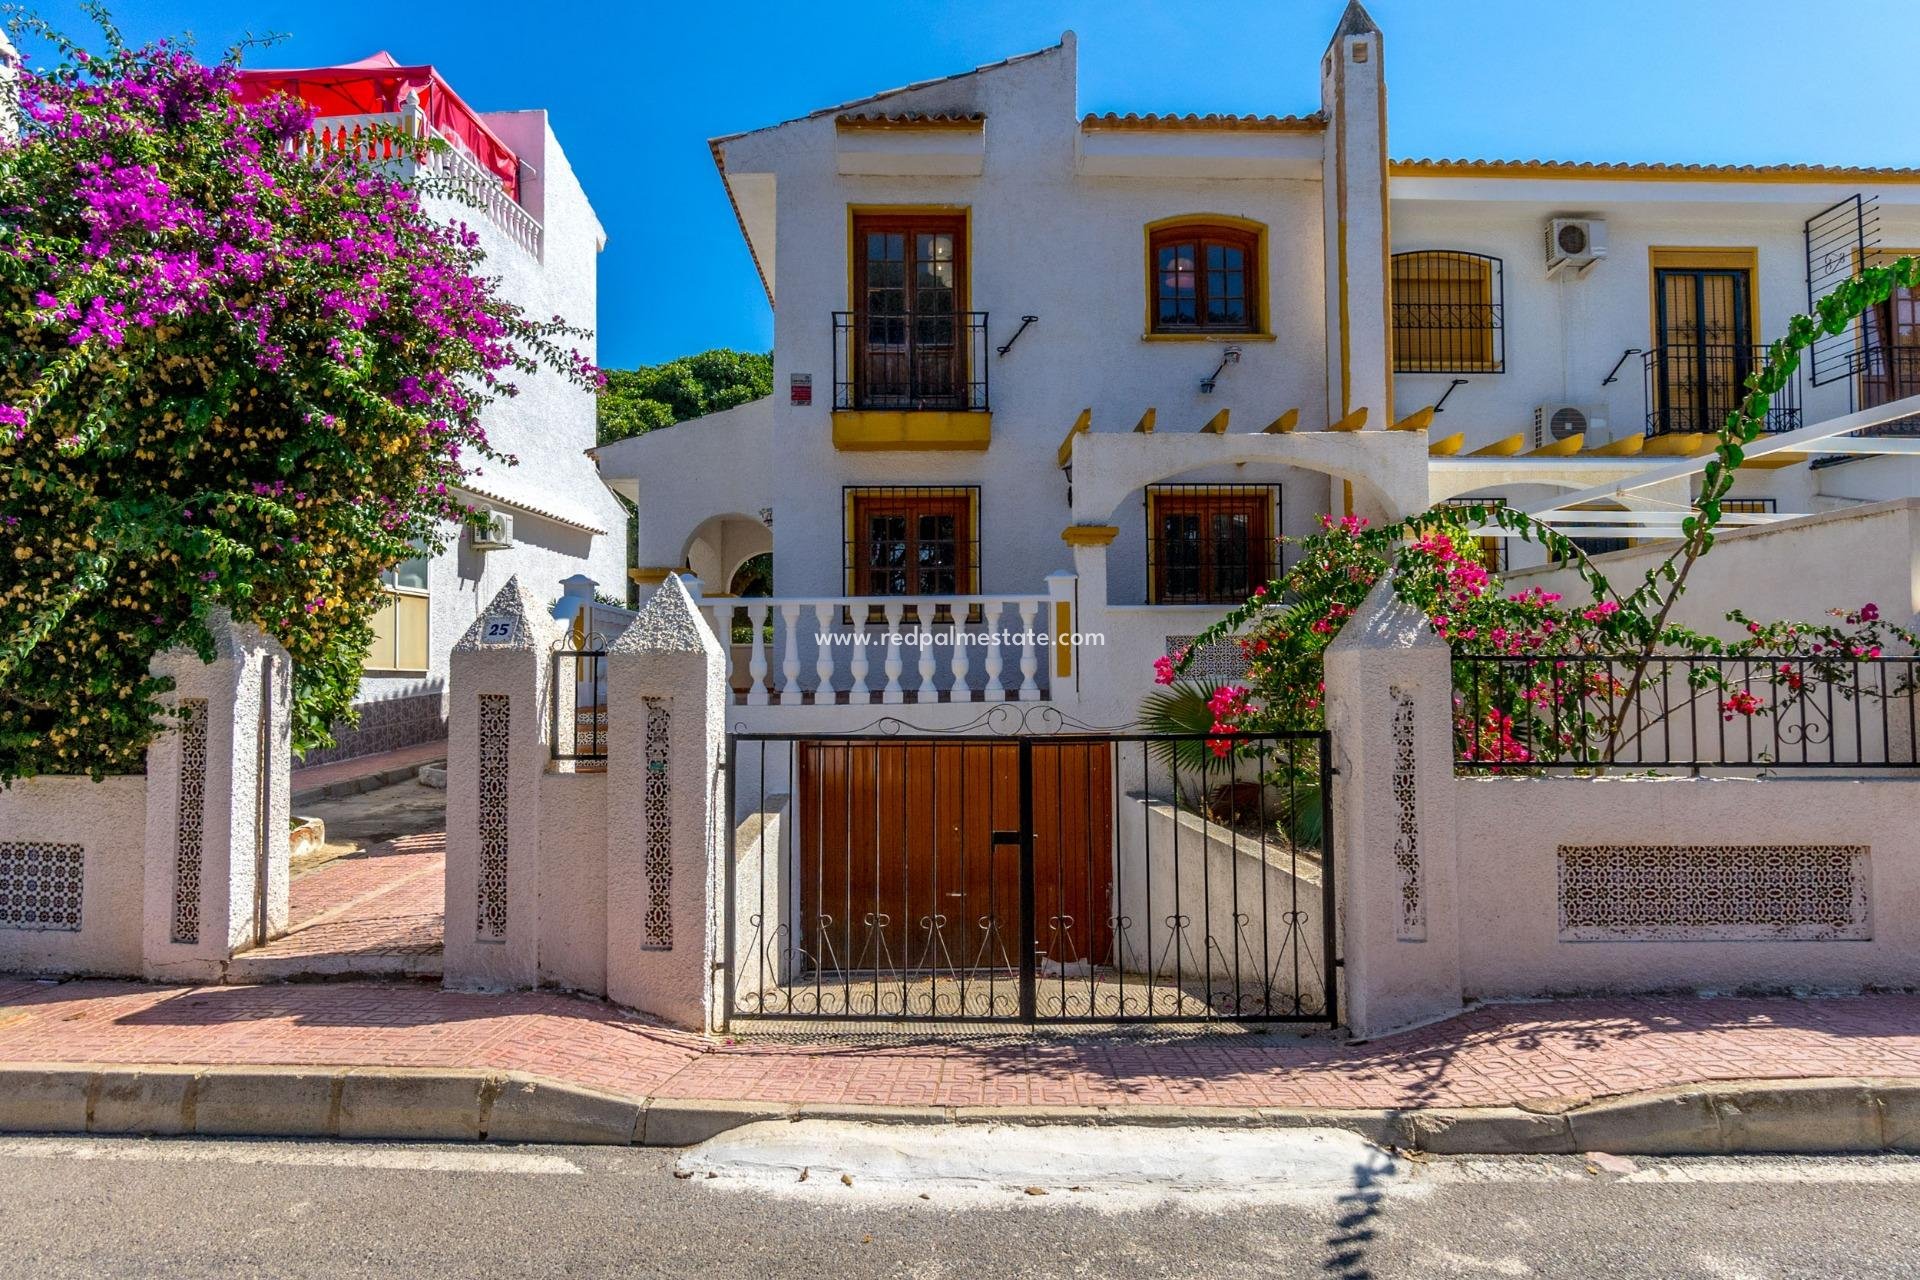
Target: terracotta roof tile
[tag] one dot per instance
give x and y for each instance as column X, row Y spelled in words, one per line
column 1211, row 120
column 1442, row 167
column 912, row 119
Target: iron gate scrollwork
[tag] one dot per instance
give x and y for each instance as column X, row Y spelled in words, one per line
column 894, row 875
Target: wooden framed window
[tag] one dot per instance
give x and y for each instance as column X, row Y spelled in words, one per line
column 1447, row 312
column 1203, row 278
column 913, row 541
column 909, row 323
column 402, row 625
column 1210, row 543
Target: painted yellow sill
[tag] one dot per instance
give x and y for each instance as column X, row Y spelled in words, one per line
column 1226, row 338
column 859, row 430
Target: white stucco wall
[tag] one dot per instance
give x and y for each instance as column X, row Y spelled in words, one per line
column 548, row 427
column 1045, row 240
column 1794, row 570
column 1509, row 831
column 1564, row 335
column 107, row 819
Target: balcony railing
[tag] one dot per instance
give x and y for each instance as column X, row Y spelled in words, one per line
column 357, row 134
column 910, row 361
column 823, row 651
column 1886, row 374
column 1693, row 387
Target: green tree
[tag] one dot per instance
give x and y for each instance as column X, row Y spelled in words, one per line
column 636, row 401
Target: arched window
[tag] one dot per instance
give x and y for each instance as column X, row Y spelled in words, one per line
column 1203, row 277
column 1446, row 312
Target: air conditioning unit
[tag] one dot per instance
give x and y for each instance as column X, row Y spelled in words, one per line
column 1575, row 242
column 1553, row 422
column 496, row 534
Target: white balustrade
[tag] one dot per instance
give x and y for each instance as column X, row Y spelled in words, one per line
column 372, row 136
column 845, row 630
column 757, row 661
column 996, row 692
column 790, row 654
column 1029, row 655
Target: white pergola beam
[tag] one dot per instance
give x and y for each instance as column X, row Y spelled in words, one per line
column 1787, row 442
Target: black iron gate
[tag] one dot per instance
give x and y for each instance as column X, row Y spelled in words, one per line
column 1051, row 878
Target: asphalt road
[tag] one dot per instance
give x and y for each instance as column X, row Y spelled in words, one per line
column 190, row 1208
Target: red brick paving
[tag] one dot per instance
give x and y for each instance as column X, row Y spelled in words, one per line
column 372, row 910
column 1494, row 1054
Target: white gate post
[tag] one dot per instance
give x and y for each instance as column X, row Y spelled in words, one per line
column 666, row 724
column 496, row 757
column 1390, row 712
column 217, row 837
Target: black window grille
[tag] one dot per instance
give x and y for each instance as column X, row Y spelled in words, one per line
column 912, row 540
column 1211, row 543
column 1493, row 551
column 1448, row 310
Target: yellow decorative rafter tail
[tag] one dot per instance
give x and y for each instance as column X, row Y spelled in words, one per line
column 1216, row 425
column 1145, row 425
column 1281, row 425
column 1418, row 420
column 1081, row 425
column 1560, row 448
column 1447, row 446
column 1352, row 422
column 1624, row 447
column 1505, row 447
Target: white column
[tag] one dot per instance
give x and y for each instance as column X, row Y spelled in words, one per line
column 857, row 664
column 667, row 714
column 1390, row 713
column 790, row 656
column 1353, row 95
column 1063, row 670
column 757, row 662
column 1029, row 654
column 216, row 838
column 996, row 691
column 892, row 692
column 927, row 692
column 824, row 612
column 497, row 754
column 960, row 662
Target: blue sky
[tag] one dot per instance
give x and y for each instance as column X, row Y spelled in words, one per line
column 636, row 89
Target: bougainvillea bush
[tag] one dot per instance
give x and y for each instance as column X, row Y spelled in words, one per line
column 231, row 377
column 1576, row 672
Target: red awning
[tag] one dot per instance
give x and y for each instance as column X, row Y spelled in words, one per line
column 378, row 84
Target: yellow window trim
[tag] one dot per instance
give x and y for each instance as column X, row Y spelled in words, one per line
column 1262, row 313
column 1704, row 258
column 924, row 430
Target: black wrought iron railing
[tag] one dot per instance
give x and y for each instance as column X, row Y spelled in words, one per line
column 577, row 706
column 911, row 360
column 1693, row 387
column 1883, row 375
column 1685, row 712
column 1035, row 878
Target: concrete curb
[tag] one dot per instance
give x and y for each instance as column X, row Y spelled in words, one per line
column 370, row 782
column 1827, row 1116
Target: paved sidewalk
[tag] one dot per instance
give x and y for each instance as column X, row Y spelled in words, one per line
column 1556, row 1053
column 314, row 778
column 375, row 911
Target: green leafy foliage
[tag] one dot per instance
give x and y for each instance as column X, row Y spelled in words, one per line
column 636, row 401
column 234, row 374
